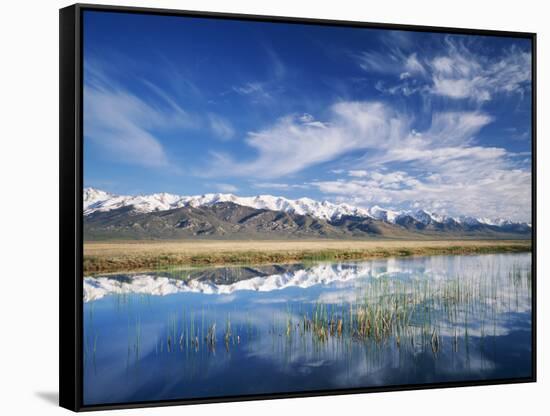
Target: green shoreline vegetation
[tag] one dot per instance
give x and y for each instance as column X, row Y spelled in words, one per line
column 140, row 256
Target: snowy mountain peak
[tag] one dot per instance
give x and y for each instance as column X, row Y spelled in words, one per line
column 93, row 195
column 383, row 214
column 422, row 216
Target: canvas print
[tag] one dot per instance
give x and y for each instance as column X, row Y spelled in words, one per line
column 277, row 207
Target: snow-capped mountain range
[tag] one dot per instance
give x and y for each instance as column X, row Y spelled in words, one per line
column 96, row 200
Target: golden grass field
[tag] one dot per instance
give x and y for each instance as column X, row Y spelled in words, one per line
column 143, row 255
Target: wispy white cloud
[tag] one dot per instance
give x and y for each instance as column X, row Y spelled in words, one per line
column 457, row 72
column 407, row 87
column 399, row 38
column 267, row 88
column 126, row 126
column 294, row 143
column 455, row 127
column 170, row 101
column 460, row 73
column 280, row 186
column 358, row 173
column 388, row 62
column 121, row 124
column 518, row 134
column 259, row 92
column 413, row 65
column 277, row 68
column 226, row 187
column 252, row 88
column 221, row 127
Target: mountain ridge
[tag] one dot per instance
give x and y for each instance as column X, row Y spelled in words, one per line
column 228, row 220
column 96, row 200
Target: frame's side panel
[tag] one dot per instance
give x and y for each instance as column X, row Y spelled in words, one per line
column 69, row 203
column 534, row 204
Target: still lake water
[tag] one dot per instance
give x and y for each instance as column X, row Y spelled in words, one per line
column 231, row 331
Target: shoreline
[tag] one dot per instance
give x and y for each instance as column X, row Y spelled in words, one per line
column 111, row 257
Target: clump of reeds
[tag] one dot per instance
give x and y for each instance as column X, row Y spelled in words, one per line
column 410, row 312
column 228, row 333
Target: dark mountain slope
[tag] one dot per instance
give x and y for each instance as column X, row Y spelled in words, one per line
column 226, row 220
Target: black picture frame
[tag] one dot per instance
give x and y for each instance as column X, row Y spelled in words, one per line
column 71, row 205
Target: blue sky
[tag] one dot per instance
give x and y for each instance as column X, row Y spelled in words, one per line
column 364, row 116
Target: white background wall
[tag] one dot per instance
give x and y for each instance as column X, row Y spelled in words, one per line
column 29, row 207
